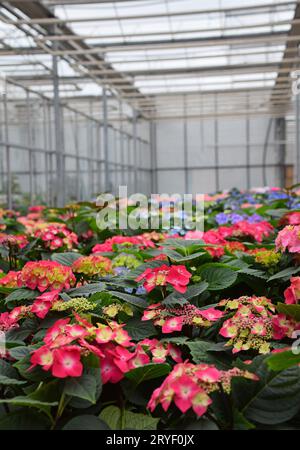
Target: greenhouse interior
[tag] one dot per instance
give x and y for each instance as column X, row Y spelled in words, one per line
column 150, row 217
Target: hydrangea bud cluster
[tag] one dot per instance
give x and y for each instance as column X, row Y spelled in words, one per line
column 114, row 309
column 78, row 304
column 126, row 260
column 253, row 324
column 92, row 265
column 267, row 258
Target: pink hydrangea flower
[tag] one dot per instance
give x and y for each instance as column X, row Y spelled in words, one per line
column 292, row 293
column 289, row 239
column 176, row 276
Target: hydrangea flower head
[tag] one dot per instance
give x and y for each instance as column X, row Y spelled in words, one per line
column 46, row 275
column 92, row 265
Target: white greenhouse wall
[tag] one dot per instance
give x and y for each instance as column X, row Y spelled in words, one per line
column 205, row 155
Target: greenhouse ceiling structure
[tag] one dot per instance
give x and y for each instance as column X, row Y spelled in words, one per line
column 158, row 95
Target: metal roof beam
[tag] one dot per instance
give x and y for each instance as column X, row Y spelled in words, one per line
column 252, row 8
column 293, row 40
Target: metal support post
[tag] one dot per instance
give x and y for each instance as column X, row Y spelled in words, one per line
column 216, row 125
column 105, row 141
column 59, row 141
column 7, row 151
column 135, row 151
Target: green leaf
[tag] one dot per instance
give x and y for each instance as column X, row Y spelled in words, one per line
column 66, row 259
column 217, row 277
column 84, row 387
column 35, row 374
column 253, row 273
column 132, row 299
column 195, row 290
column 86, row 422
column 135, row 421
column 180, row 299
column 240, row 422
column 139, row 330
column 23, row 400
column 289, row 310
column 200, row 352
column 21, row 294
column 147, row 372
column 140, row 269
column 24, row 419
column 283, row 360
column 118, row 419
column 19, row 352
column 9, row 375
column 286, row 273
column 273, row 399
column 112, row 417
column 86, row 290
column 178, row 258
column 19, row 334
column 187, row 246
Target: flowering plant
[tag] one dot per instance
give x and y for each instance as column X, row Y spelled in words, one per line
column 190, row 386
column 93, row 265
column 177, row 276
column 96, row 326
column 43, row 275
column 56, row 236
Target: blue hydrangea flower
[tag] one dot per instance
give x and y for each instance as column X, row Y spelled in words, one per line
column 235, row 218
column 255, row 218
column 222, row 218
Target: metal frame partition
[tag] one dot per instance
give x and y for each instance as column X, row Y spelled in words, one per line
column 90, row 160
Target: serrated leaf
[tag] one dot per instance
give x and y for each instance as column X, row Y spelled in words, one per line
column 117, row 419
column 86, row 290
column 139, row 330
column 66, row 258
column 286, row 273
column 132, row 299
column 200, row 352
column 21, row 294
column 217, row 277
